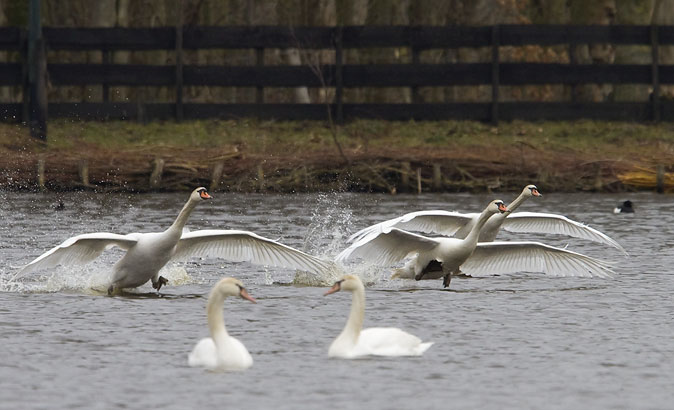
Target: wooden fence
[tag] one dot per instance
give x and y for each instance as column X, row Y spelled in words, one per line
column 339, row 75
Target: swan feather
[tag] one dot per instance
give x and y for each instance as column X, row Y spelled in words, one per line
column 556, row 224
column 388, row 246
column 240, row 246
column 80, row 249
column 491, row 258
column 437, row 221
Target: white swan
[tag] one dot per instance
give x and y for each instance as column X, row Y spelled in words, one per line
column 442, row 257
column 147, row 253
column 221, row 351
column 354, row 341
column 459, row 224
column 435, row 257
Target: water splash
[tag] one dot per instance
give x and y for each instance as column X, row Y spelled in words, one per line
column 330, row 226
column 88, row 279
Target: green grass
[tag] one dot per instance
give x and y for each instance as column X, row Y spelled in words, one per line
column 306, row 136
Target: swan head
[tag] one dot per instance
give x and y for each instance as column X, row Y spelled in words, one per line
column 232, row 287
column 348, row 282
column 531, row 190
column 497, row 206
column 200, row 194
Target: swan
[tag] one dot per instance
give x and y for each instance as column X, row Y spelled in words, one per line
column 221, row 351
column 459, row 224
column 354, row 341
column 442, row 257
column 147, row 253
column 435, row 257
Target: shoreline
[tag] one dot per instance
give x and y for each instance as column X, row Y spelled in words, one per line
column 375, row 156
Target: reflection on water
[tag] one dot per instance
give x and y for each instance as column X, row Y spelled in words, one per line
column 512, row 341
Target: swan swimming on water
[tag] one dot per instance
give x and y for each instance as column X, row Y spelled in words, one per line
column 458, row 224
column 221, row 351
column 354, row 341
column 433, row 258
column 147, row 253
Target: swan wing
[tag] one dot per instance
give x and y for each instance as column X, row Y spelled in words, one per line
column 204, row 354
column 508, row 257
column 387, row 246
column 435, row 221
column 79, row 250
column 556, row 224
column 240, row 246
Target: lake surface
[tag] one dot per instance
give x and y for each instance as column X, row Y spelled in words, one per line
column 524, row 341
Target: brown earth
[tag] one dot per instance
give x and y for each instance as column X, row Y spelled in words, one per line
column 283, row 167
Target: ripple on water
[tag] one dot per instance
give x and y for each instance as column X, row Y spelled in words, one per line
column 520, row 341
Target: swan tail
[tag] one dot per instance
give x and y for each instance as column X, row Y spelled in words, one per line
column 423, row 347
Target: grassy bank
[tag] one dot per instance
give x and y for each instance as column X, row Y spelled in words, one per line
column 248, row 155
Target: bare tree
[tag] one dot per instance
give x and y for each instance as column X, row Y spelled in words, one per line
column 663, row 13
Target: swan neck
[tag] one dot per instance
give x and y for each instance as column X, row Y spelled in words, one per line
column 216, row 317
column 517, row 202
column 475, row 232
column 183, row 216
column 354, row 324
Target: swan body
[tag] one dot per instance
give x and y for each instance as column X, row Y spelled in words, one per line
column 459, row 224
column 221, row 351
column 354, row 341
column 435, row 257
column 147, row 253
column 493, row 258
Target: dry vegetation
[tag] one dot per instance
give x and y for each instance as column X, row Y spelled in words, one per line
column 249, row 156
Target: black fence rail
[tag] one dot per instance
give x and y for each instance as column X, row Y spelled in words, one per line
column 339, row 76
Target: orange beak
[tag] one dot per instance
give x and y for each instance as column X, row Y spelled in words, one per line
column 502, row 208
column 244, row 294
column 204, row 195
column 535, row 192
column 335, row 288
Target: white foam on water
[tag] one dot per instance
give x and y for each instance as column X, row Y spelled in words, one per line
column 88, row 279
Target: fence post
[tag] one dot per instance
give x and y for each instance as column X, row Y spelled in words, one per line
column 37, row 74
column 105, row 59
column 572, row 63
column 179, row 63
column 25, row 63
column 495, row 40
column 339, row 79
column 416, row 97
column 655, row 73
column 259, row 62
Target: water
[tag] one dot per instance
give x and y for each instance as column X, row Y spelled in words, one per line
column 522, row 341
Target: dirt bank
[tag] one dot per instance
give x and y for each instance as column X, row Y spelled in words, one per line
column 245, row 156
